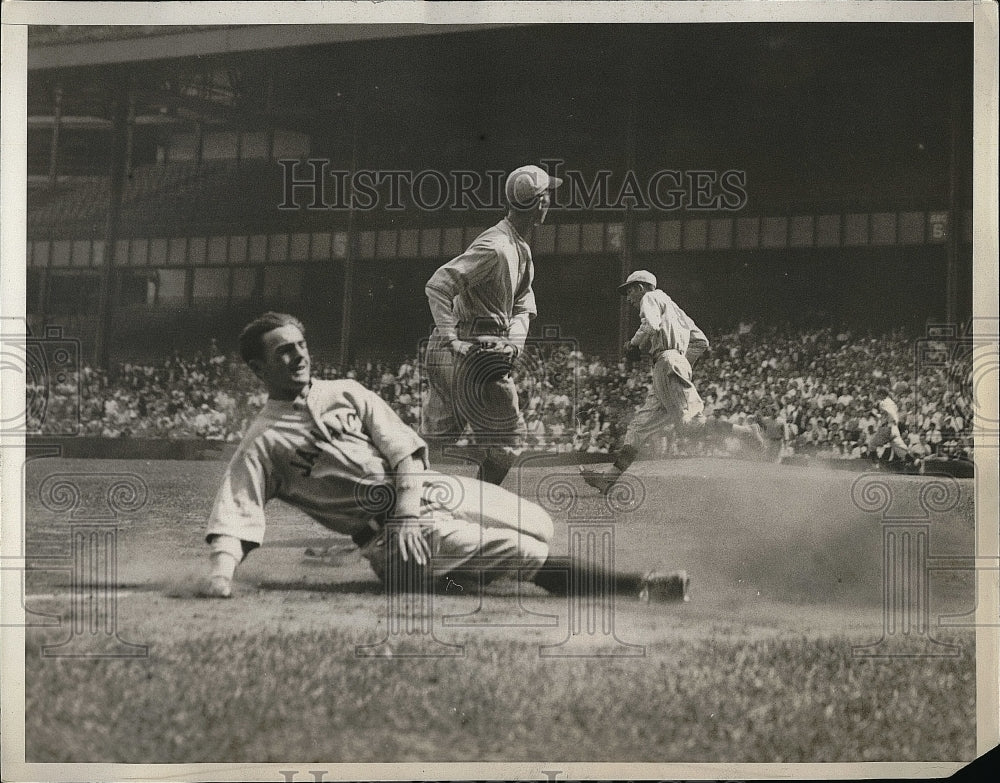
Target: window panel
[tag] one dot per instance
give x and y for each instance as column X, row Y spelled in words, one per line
column 669, row 235
column 210, row 283
column 430, row 242
column 856, row 229
column 646, row 239
column 217, row 250
column 197, row 247
column 81, row 252
column 911, row 228
column 592, row 238
column 695, row 234
column 544, row 242
column 800, row 231
column 884, row 228
column 720, row 233
column 320, row 246
column 774, row 232
column 747, row 232
column 408, row 243
column 177, row 252
column 299, row 247
column 170, row 285
column 828, row 231
column 568, row 238
column 257, row 250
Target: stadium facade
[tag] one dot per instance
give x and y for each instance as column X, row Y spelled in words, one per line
column 763, row 172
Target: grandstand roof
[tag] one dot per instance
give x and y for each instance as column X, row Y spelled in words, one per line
column 834, row 113
column 62, row 46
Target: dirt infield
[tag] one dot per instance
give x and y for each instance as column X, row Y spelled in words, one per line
column 766, row 546
column 760, row 665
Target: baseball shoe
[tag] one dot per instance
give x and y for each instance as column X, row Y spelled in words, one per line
column 660, row 586
column 599, row 480
column 219, row 587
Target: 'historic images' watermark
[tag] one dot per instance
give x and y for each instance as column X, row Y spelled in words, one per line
column 313, row 184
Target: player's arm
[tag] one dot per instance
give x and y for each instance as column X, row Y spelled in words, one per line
column 523, row 311
column 449, row 281
column 406, row 454
column 650, row 318
column 238, row 510
column 409, row 482
column 697, row 344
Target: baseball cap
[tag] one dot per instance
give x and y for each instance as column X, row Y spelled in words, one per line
column 527, row 183
column 639, row 276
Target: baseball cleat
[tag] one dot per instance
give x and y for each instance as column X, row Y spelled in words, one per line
column 602, row 482
column 219, row 587
column 660, row 587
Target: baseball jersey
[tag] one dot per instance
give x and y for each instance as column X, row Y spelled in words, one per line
column 486, row 288
column 320, row 454
column 890, row 411
column 664, row 326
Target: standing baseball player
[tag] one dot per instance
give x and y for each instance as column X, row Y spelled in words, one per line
column 482, row 305
column 336, row 451
column 674, row 342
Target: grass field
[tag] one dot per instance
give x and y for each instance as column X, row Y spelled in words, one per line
column 759, row 666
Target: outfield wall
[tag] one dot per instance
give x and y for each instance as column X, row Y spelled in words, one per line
column 201, row 449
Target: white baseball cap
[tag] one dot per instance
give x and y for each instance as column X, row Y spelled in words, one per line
column 639, row 276
column 527, row 183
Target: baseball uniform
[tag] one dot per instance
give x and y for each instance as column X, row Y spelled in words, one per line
column 674, row 341
column 486, row 291
column 888, row 430
column 332, row 454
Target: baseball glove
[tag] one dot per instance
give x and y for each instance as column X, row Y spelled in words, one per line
column 489, row 359
column 633, row 353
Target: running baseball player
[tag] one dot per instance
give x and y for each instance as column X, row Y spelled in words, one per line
column 482, row 304
column 336, row 451
column 887, row 432
column 674, row 342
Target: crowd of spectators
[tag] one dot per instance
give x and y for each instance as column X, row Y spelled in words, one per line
column 814, row 392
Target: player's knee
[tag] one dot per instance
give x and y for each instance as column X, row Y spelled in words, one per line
column 536, row 523
column 532, row 551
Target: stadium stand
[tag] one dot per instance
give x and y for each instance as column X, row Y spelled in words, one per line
column 814, row 390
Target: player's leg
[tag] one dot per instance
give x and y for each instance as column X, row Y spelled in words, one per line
column 561, row 575
column 497, row 532
column 502, row 426
column 648, row 421
column 878, row 439
column 475, row 531
column 437, row 414
column 225, row 553
column 750, row 435
column 899, row 447
column 677, row 392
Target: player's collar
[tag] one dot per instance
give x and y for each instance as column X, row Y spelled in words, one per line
column 514, row 230
column 303, row 395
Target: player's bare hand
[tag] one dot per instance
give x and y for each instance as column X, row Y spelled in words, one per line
column 413, row 540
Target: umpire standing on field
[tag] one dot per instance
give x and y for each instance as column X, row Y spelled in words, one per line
column 482, row 305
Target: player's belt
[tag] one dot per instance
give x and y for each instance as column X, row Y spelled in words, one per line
column 367, row 534
column 484, row 327
column 373, row 529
